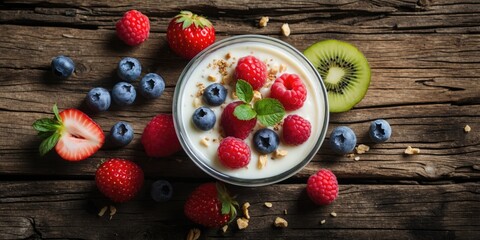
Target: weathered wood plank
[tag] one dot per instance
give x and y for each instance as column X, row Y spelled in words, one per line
column 305, row 17
column 67, row 209
column 409, row 73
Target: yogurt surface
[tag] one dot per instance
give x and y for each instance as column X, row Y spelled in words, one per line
column 219, row 66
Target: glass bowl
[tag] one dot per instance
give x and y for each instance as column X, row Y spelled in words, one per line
column 216, row 64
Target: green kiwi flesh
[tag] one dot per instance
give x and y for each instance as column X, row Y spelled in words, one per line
column 344, row 70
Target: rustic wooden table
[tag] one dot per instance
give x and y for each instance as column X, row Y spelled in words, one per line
column 425, row 60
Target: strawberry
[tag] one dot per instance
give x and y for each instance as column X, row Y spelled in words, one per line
column 119, row 179
column 210, row 205
column 188, row 34
column 232, row 126
column 74, row 135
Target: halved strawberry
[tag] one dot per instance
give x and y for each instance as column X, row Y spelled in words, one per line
column 74, row 135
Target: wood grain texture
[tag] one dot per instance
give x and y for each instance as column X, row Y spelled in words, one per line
column 408, row 73
column 424, row 56
column 68, row 209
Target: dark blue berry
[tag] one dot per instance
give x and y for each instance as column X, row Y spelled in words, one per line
column 62, row 66
column 121, row 134
column 129, row 69
column 380, row 131
column 123, row 93
column 151, row 86
column 98, row 99
column 215, row 94
column 161, row 191
column 342, row 140
column 204, row 118
column 266, row 140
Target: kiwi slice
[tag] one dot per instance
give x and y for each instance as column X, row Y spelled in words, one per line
column 344, row 70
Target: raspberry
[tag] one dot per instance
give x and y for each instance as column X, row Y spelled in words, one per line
column 233, row 152
column 133, row 28
column 234, row 127
column 159, row 138
column 252, row 70
column 322, row 187
column 290, row 91
column 296, row 130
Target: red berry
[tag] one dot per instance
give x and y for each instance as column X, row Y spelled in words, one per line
column 133, row 28
column 210, row 205
column 252, row 70
column 159, row 138
column 296, row 130
column 119, row 179
column 73, row 134
column 188, row 34
column 232, row 126
column 233, row 153
column 322, row 187
column 290, row 91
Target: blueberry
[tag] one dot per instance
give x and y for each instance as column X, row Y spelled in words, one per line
column 380, row 131
column 129, row 69
column 152, row 86
column 121, row 134
column 215, row 94
column 161, row 191
column 98, row 99
column 204, row 118
column 62, row 66
column 123, row 93
column 343, row 140
column 266, row 140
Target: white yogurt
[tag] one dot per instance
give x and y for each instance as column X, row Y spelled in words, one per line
column 313, row 109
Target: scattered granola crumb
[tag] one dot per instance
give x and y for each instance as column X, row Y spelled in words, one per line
column 234, row 95
column 245, row 207
column 411, row 150
column 257, row 95
column 113, row 211
column 197, row 102
column 351, row 155
column 211, row 78
column 274, row 70
column 201, row 88
column 279, row 153
column 277, row 126
column 204, row 142
column 268, row 204
column 283, row 68
column 228, row 56
column 280, row 222
column 285, row 211
column 242, row 223
column 193, row 234
column 222, row 66
column 362, row 148
column 467, row 129
column 262, row 161
column 224, row 228
column 214, row 140
column 285, row 30
column 322, row 222
column 333, row 214
column 356, row 158
column 102, row 211
column 263, row 22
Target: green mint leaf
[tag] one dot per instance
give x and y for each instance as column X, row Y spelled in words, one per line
column 55, row 111
column 45, row 125
column 269, row 111
column 244, row 112
column 244, row 91
column 49, row 143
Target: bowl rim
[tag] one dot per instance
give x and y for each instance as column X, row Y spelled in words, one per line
column 182, row 135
